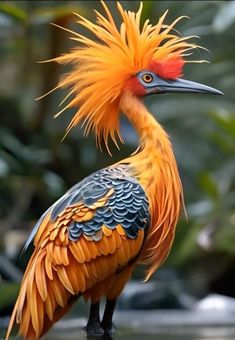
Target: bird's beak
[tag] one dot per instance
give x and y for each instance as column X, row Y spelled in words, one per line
column 180, row 86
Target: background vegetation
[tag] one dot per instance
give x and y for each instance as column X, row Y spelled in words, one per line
column 36, row 168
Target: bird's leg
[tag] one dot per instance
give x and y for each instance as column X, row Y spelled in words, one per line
column 93, row 327
column 107, row 321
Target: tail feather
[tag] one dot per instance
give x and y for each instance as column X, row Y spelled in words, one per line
column 58, row 314
column 24, row 325
column 41, row 302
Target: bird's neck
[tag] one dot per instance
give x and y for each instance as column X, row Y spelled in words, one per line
column 154, row 165
column 154, row 145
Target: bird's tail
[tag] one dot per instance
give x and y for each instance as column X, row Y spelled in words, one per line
column 41, row 302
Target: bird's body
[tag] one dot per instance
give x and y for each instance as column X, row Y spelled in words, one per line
column 89, row 241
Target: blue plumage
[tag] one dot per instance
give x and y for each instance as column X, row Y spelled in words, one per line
column 128, row 205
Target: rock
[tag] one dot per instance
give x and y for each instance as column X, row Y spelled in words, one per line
column 154, row 295
column 216, row 302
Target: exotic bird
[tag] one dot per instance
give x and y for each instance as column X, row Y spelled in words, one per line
column 89, row 241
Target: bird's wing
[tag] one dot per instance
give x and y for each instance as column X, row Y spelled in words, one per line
column 107, row 198
column 91, row 233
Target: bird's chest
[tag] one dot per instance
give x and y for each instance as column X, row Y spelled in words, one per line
column 163, row 188
column 164, row 191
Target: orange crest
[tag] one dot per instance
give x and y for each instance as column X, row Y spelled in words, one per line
column 102, row 67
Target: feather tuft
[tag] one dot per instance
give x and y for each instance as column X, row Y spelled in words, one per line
column 101, row 67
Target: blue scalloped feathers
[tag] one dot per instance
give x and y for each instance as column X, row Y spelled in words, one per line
column 128, row 205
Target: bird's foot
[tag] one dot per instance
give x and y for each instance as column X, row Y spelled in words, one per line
column 109, row 331
column 94, row 331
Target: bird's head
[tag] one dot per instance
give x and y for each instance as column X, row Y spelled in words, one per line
column 138, row 59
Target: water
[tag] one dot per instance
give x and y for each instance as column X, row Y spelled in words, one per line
column 158, row 325
column 190, row 334
column 153, row 325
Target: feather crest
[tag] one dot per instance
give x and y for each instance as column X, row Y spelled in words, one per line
column 102, row 67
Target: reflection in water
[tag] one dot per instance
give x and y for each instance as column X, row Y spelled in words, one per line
column 214, row 333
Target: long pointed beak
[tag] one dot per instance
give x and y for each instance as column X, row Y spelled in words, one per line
column 181, row 86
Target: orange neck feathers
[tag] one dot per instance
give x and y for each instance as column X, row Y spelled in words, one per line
column 155, row 167
column 150, row 131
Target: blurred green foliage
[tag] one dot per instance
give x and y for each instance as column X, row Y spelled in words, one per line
column 36, row 168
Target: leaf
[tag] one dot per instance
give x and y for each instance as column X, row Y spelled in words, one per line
column 209, row 185
column 225, row 120
column 199, row 209
column 8, row 293
column 51, row 14
column 54, row 183
column 4, row 168
column 13, row 11
column 225, row 17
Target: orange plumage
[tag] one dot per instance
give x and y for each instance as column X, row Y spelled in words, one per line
column 89, row 241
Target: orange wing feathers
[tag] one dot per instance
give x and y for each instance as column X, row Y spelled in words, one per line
column 62, row 268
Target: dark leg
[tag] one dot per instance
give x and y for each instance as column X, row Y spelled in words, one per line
column 107, row 323
column 93, row 328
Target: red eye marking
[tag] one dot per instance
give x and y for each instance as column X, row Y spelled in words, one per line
column 135, row 87
column 169, row 68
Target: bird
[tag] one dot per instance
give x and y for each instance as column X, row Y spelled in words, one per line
column 90, row 240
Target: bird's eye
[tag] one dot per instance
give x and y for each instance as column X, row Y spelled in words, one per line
column 147, row 78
